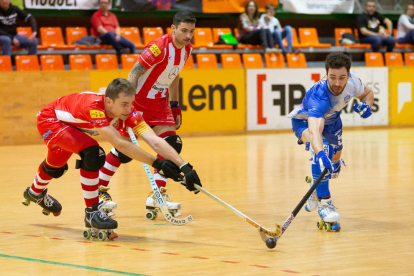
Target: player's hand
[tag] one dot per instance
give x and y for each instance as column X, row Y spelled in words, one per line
column 363, row 109
column 16, row 42
column 190, row 178
column 32, row 37
column 168, row 169
column 324, row 162
column 176, row 112
column 118, row 38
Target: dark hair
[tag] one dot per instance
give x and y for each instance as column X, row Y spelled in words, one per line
column 369, row 1
column 183, row 16
column 337, row 60
column 118, row 86
column 270, row 7
column 256, row 13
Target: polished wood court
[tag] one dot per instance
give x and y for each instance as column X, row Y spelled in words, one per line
column 260, row 175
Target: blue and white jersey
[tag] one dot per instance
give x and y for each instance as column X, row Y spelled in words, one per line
column 319, row 102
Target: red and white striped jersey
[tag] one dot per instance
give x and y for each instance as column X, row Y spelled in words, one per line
column 86, row 111
column 164, row 62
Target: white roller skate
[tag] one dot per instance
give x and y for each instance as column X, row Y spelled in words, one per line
column 312, row 202
column 153, row 206
column 329, row 217
column 104, row 196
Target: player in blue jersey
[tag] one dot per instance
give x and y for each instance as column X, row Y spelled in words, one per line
column 317, row 121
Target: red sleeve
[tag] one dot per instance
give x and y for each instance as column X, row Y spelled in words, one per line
column 96, row 117
column 137, row 123
column 96, row 22
column 152, row 54
column 116, row 23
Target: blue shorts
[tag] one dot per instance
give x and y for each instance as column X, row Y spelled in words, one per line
column 332, row 132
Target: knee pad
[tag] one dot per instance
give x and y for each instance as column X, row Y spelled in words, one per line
column 92, row 159
column 122, row 157
column 175, row 142
column 54, row 172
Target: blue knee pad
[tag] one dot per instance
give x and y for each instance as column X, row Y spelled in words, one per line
column 323, row 188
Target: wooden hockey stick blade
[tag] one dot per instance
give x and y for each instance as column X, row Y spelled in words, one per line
column 264, row 233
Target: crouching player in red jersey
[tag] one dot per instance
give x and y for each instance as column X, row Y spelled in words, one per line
column 63, row 124
column 155, row 75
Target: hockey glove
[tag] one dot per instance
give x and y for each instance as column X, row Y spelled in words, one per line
column 324, row 162
column 168, row 169
column 176, row 112
column 363, row 109
column 190, row 178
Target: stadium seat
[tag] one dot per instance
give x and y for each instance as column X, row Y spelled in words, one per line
column 151, row 33
column 295, row 41
column 189, row 63
column 401, row 45
column 251, row 61
column 309, row 37
column 76, row 33
column 52, row 63
column 5, row 64
column 274, row 61
column 231, row 61
column 128, row 61
column 374, row 60
column 296, row 60
column 80, row 62
column 338, row 35
column 393, row 59
column 27, row 63
column 24, row 31
column 206, row 61
column 203, row 37
column 106, row 62
column 409, row 59
column 52, row 38
column 169, row 30
column 133, row 35
column 219, row 31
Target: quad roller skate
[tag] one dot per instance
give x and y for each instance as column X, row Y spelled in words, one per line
column 329, row 217
column 44, row 200
column 104, row 196
column 99, row 224
column 153, row 206
column 312, row 202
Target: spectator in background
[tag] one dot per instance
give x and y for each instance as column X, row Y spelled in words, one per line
column 405, row 34
column 251, row 31
column 8, row 29
column 368, row 25
column 270, row 22
column 106, row 27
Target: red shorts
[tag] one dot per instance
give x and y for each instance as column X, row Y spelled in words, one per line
column 155, row 111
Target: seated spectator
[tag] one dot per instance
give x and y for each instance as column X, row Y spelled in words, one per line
column 252, row 32
column 405, row 33
column 8, row 29
column 368, row 24
column 269, row 21
column 106, row 27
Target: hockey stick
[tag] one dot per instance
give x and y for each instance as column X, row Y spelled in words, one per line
column 157, row 193
column 264, row 233
column 300, row 205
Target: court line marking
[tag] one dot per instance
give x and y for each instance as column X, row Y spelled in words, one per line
column 71, row 265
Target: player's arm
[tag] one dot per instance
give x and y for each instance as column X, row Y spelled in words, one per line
column 137, row 71
column 174, row 101
column 367, row 32
column 367, row 96
column 363, row 108
column 173, row 90
column 315, row 126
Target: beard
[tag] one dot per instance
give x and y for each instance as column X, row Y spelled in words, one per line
column 336, row 90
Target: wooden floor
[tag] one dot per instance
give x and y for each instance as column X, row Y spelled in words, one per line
column 262, row 176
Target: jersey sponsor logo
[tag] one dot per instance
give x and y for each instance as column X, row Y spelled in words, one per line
column 158, row 88
column 145, row 51
column 46, row 134
column 174, row 72
column 134, row 113
column 155, row 50
column 116, row 124
column 347, row 99
column 95, row 114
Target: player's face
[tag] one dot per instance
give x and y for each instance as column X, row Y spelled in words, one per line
column 121, row 107
column 183, row 33
column 104, row 5
column 337, row 79
column 251, row 8
column 270, row 12
column 5, row 4
column 370, row 8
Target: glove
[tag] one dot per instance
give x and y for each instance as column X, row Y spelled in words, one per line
column 176, row 112
column 324, row 162
column 363, row 109
column 168, row 169
column 190, row 178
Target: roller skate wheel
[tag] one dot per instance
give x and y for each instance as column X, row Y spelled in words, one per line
column 87, row 234
column 328, row 226
column 308, row 179
column 102, row 235
column 25, row 202
column 45, row 212
column 56, row 214
column 113, row 236
column 151, row 215
column 319, row 224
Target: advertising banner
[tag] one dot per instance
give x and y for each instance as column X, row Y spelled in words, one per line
column 62, row 4
column 233, row 6
column 401, row 96
column 273, row 93
column 319, row 6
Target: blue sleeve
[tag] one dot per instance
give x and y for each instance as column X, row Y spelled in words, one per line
column 317, row 106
